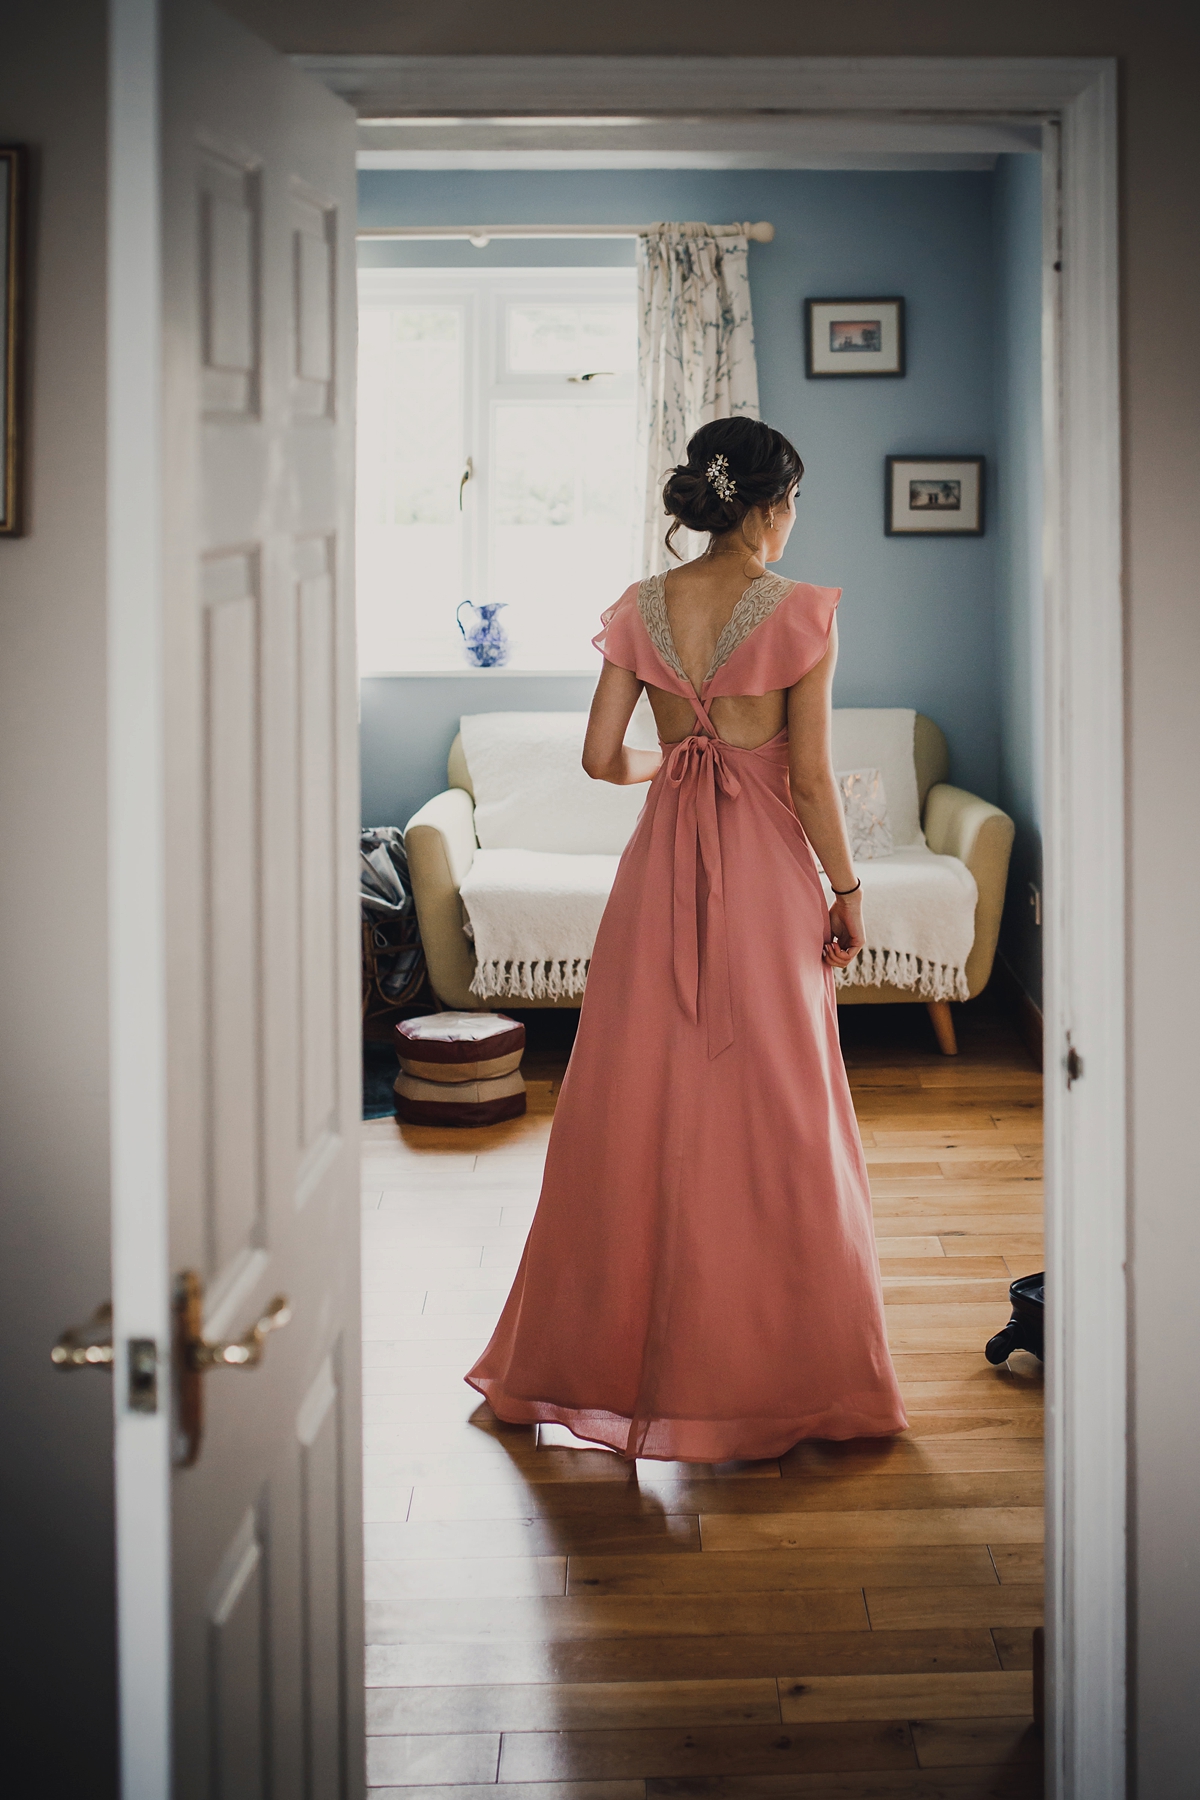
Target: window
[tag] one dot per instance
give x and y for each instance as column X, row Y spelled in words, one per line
column 495, row 460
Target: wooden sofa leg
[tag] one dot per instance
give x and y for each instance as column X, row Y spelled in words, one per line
column 943, row 1025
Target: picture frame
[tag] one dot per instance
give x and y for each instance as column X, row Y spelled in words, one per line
column 13, row 190
column 850, row 339
column 934, row 496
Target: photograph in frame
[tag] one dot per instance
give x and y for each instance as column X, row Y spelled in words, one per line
column 853, row 338
column 933, row 496
column 12, row 204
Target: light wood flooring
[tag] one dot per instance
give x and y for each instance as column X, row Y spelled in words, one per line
column 850, row 1621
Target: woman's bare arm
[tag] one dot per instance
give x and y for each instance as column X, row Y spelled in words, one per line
column 817, row 801
column 606, row 756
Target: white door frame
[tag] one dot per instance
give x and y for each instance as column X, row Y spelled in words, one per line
column 1074, row 103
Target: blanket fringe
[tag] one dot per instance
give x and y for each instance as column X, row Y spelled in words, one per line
column 552, row 979
column 545, row 980
column 932, row 981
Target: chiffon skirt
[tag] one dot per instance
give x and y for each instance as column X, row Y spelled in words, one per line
column 700, row 1282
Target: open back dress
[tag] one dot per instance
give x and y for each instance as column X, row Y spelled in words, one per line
column 700, row 1281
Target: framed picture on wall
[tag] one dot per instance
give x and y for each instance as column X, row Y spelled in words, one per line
column 854, row 337
column 933, row 496
column 12, row 221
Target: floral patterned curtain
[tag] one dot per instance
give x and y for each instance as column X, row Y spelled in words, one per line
column 695, row 356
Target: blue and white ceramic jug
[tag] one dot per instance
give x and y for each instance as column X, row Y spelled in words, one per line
column 485, row 638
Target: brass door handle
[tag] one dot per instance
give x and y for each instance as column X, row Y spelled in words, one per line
column 244, row 1352
column 87, row 1346
column 196, row 1354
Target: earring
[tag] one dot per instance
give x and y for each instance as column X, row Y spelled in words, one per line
column 771, row 520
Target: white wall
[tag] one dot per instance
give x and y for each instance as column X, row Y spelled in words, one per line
column 55, row 1428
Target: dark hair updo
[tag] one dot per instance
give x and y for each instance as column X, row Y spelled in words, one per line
column 760, row 464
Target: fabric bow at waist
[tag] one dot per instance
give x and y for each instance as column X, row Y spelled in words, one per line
column 697, row 766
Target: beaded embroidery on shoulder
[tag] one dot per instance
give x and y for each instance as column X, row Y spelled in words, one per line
column 756, row 604
column 652, row 604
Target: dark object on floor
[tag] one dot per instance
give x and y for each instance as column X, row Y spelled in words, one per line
column 393, row 962
column 460, row 1068
column 379, row 1075
column 1024, row 1329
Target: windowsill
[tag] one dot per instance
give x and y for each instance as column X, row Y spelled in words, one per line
column 473, row 674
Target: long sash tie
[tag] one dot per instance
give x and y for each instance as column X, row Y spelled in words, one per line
column 697, row 766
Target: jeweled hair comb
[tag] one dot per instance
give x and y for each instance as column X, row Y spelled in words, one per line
column 720, row 478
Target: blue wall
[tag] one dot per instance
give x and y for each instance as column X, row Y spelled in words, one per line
column 1018, row 527
column 918, row 622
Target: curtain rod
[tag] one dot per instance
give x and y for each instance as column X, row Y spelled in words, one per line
column 481, row 235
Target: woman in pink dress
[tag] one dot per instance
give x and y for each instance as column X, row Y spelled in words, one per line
column 700, row 1281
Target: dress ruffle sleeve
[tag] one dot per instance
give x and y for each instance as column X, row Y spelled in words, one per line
column 622, row 638
column 780, row 651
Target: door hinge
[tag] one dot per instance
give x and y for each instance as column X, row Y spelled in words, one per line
column 1072, row 1063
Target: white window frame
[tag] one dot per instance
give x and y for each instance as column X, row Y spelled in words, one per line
column 483, row 295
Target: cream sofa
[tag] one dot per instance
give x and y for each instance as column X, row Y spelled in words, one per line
column 441, row 844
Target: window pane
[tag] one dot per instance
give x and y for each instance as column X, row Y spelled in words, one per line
column 534, row 457
column 571, row 337
column 561, row 525
column 410, row 461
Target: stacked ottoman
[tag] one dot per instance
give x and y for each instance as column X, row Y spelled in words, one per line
column 460, row 1068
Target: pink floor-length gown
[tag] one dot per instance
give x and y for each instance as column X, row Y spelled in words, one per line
column 700, row 1281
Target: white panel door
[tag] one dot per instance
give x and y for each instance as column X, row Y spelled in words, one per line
column 260, row 909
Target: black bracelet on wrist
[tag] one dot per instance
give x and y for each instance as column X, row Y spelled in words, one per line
column 842, row 892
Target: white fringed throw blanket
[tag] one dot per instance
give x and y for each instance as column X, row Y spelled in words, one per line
column 533, row 911
column 534, row 916
column 919, row 923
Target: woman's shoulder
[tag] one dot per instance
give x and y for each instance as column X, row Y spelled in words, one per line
column 803, row 594
column 785, row 642
column 777, row 607
column 804, row 607
column 805, row 620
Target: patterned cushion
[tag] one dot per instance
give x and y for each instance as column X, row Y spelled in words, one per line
column 864, row 802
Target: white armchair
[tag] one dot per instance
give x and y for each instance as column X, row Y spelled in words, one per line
column 980, row 835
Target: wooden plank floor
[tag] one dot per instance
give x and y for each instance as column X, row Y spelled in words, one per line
column 545, row 1622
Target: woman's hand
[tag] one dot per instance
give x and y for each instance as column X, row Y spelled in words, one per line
column 846, row 930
